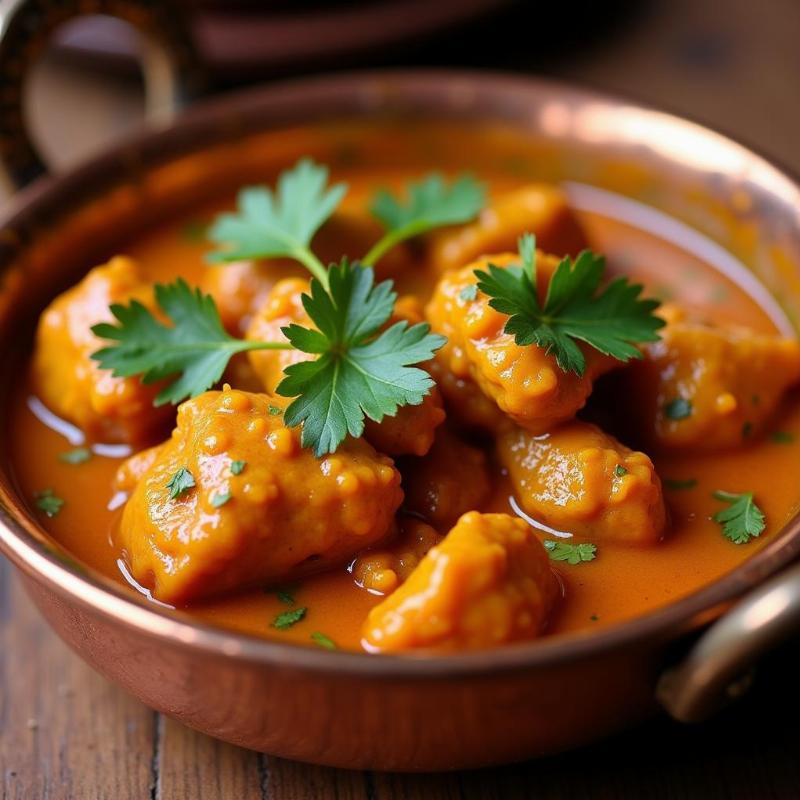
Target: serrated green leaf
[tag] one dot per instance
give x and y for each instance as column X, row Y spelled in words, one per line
column 358, row 373
column 742, row 520
column 181, row 481
column 610, row 319
column 282, row 223
column 194, row 350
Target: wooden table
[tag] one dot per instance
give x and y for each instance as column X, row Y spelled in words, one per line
column 66, row 733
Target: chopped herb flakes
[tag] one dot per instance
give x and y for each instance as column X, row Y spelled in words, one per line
column 679, row 484
column 742, row 520
column 571, row 553
column 275, row 410
column 220, row 499
column 237, row 467
column 323, row 641
column 78, row 455
column 180, row 482
column 620, row 471
column 781, row 437
column 286, row 619
column 678, row 409
column 48, row 502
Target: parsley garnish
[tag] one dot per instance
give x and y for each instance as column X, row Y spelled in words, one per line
column 358, row 373
column 220, row 499
column 571, row 553
column 78, row 455
column 48, row 502
column 678, row 409
column 743, row 520
column 610, row 320
column 620, row 471
column 237, row 467
column 781, row 437
column 280, row 223
column 195, row 347
column 286, row 619
column 678, row 484
column 431, row 203
column 275, row 410
column 180, row 482
column 323, row 641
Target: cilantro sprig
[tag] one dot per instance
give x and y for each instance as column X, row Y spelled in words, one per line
column 576, row 309
column 194, row 349
column 357, row 373
column 431, row 203
column 742, row 520
column 281, row 223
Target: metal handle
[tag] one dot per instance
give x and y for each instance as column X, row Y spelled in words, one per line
column 171, row 68
column 719, row 666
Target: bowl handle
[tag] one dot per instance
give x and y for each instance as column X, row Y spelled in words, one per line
column 172, row 71
column 719, row 667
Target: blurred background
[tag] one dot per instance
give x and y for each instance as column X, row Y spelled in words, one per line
column 732, row 64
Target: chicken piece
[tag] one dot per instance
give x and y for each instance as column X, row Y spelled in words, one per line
column 409, row 432
column 488, row 583
column 71, row 384
column 257, row 507
column 238, row 289
column 525, row 382
column 538, row 208
column 450, row 480
column 131, row 470
column 709, row 388
column 382, row 571
column 580, row 480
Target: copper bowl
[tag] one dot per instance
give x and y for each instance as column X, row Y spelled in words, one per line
column 405, row 713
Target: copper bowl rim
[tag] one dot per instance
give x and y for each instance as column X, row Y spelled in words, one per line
column 206, row 123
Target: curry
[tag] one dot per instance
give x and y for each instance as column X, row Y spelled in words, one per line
column 447, row 462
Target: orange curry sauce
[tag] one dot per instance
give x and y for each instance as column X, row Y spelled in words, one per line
column 622, row 582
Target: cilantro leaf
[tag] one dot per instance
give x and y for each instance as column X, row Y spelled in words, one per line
column 611, row 319
column 571, row 553
column 237, row 467
column 286, row 595
column 219, row 500
column 78, row 455
column 281, row 223
column 180, row 482
column 323, row 640
column 358, row 373
column 48, row 502
column 431, row 203
column 742, row 520
column 677, row 409
column 195, row 348
column 286, row 619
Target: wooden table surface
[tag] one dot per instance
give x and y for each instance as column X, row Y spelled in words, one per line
column 66, row 733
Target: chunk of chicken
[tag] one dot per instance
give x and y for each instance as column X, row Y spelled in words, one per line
column 382, row 571
column 257, row 507
column 409, row 432
column 71, row 384
column 580, row 480
column 450, row 480
column 525, row 383
column 488, row 583
column 538, row 208
column 708, row 388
